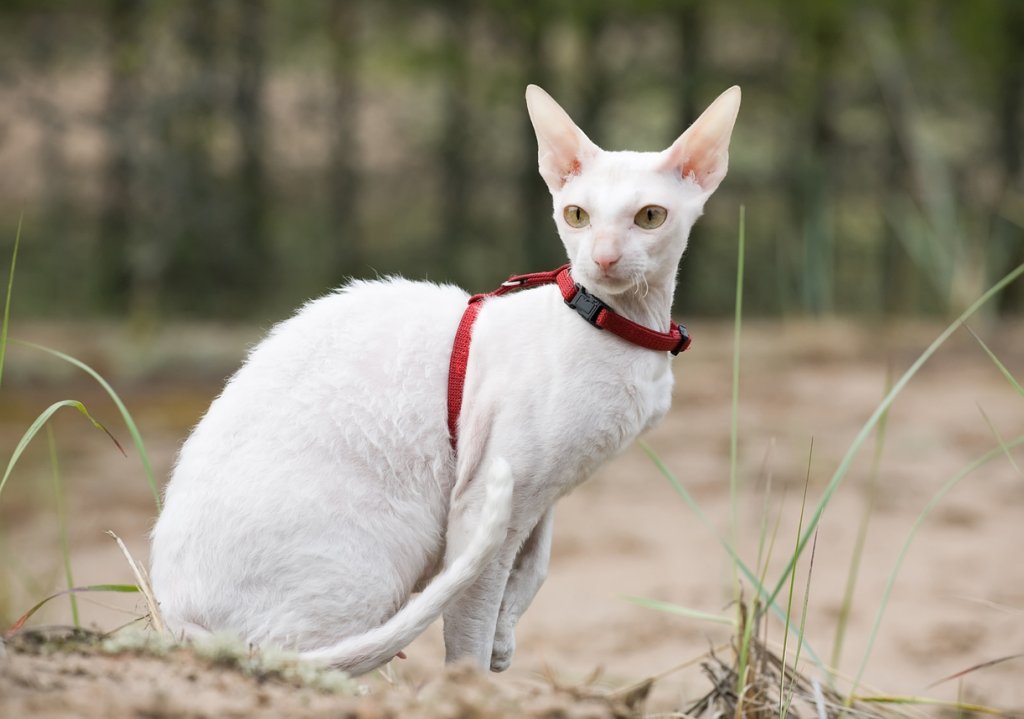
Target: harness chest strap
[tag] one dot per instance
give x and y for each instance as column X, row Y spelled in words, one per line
column 592, row 309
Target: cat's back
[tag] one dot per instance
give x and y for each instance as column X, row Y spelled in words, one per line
column 370, row 326
column 349, row 371
column 389, row 313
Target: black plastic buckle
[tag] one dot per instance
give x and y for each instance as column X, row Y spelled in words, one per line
column 684, row 341
column 588, row 306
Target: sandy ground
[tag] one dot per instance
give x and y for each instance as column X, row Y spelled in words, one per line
column 957, row 601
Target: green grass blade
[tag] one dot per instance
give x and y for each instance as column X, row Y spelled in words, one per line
column 806, row 603
column 873, row 421
column 748, row 615
column 1002, row 368
column 976, row 667
column 62, row 527
column 7, row 302
column 734, row 419
column 787, row 620
column 959, row 707
column 683, row 492
column 761, row 590
column 125, row 414
column 748, row 621
column 37, row 425
column 890, row 583
column 999, row 440
column 846, row 607
column 764, row 558
column 671, row 608
column 120, row 588
column 761, row 564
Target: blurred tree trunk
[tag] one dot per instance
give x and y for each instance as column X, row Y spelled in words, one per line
column 1011, row 117
column 811, row 186
column 344, row 179
column 900, row 272
column 541, row 247
column 120, row 284
column 688, row 24
column 818, row 221
column 688, row 21
column 199, row 275
column 455, row 134
column 594, row 80
column 252, row 253
column 61, row 272
column 899, row 275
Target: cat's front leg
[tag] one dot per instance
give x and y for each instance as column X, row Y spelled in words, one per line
column 528, row 574
column 470, row 620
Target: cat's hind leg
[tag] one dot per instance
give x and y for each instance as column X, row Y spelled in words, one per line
column 526, row 577
column 483, row 538
column 470, row 620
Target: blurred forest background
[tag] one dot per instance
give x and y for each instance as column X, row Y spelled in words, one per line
column 230, row 159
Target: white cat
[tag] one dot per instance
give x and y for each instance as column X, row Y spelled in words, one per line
column 321, row 490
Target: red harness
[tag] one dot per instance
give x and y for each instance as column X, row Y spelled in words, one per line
column 590, row 308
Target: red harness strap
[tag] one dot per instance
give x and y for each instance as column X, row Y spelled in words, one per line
column 592, row 309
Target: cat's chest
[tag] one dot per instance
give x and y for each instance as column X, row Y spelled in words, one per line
column 560, row 391
column 605, row 412
column 632, row 394
column 657, row 393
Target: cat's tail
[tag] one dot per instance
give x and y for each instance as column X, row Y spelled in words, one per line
column 367, row 651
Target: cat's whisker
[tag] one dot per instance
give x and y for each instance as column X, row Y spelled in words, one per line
column 640, row 281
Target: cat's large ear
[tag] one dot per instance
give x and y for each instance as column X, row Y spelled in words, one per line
column 702, row 152
column 562, row 148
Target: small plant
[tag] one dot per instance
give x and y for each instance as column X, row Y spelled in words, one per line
column 41, row 422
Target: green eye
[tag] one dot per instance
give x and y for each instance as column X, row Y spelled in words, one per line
column 650, row 217
column 576, row 216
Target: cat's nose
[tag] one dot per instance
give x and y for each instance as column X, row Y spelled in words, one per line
column 606, row 262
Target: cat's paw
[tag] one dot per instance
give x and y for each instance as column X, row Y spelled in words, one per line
column 502, row 651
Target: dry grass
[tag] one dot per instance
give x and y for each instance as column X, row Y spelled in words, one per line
column 773, row 689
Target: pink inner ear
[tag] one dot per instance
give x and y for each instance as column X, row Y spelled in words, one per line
column 571, row 169
column 701, row 162
column 686, row 159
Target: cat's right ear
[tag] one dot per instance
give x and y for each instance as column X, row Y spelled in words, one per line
column 702, row 152
column 562, row 148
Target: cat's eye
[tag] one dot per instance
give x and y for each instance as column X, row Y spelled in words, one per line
column 650, row 217
column 576, row 216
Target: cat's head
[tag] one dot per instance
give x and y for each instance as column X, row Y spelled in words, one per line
column 625, row 217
